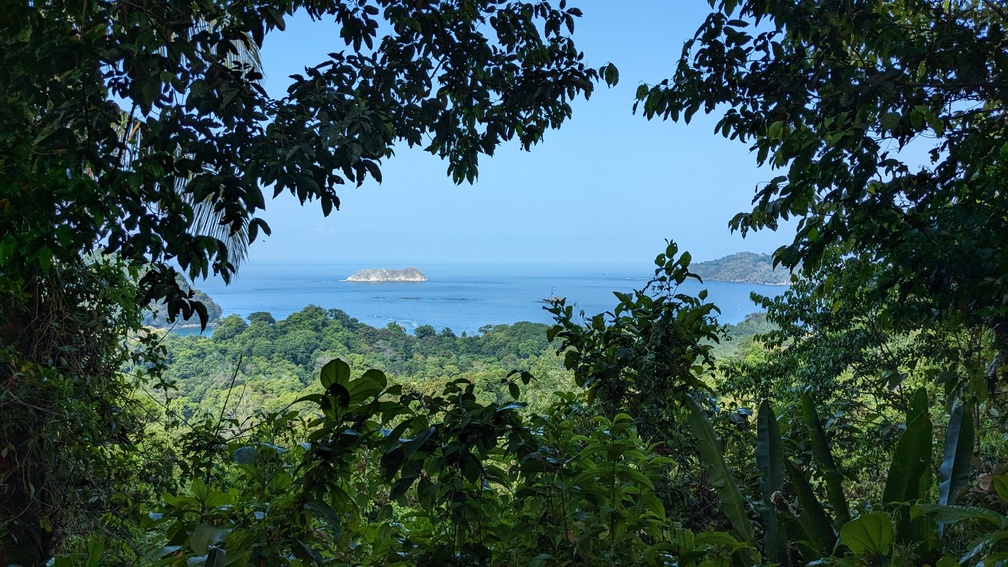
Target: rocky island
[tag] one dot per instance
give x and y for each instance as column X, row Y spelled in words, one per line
column 387, row 275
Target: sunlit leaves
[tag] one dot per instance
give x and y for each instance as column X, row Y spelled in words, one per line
column 870, row 534
column 190, row 134
column 653, row 347
column 884, row 123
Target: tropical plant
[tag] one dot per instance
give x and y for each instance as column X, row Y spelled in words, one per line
column 364, row 473
column 142, row 133
column 645, row 354
column 67, row 416
column 886, row 120
column 643, row 358
column 902, row 527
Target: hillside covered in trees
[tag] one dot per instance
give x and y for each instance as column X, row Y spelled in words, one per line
column 265, row 365
column 273, row 363
column 743, row 267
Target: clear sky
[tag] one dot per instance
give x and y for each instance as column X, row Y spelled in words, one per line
column 608, row 187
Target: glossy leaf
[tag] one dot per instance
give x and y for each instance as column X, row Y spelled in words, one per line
column 246, row 455
column 369, row 385
column 948, row 514
column 958, row 455
column 811, row 517
column 1000, row 484
column 770, row 461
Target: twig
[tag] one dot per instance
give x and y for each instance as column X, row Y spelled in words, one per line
column 227, row 398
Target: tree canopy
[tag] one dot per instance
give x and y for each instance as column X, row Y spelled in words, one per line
column 123, row 123
column 137, row 140
column 886, row 122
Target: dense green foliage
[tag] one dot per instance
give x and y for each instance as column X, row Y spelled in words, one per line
column 469, row 478
column 143, row 132
column 866, row 426
column 269, row 364
column 746, row 267
column 67, row 415
column 393, row 478
column 886, row 121
column 105, row 101
column 466, row 475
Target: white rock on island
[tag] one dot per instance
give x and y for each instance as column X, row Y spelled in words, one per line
column 387, row 275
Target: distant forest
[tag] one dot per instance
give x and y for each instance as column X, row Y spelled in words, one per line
column 270, row 363
column 743, row 267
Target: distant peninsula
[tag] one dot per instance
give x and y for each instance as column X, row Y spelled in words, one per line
column 156, row 314
column 387, row 275
column 743, row 267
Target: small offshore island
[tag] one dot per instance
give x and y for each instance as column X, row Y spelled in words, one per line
column 387, row 275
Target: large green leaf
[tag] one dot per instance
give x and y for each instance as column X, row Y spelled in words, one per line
column 335, row 372
column 951, row 514
column 912, row 457
column 1000, row 484
column 958, row 455
column 869, row 534
column 981, row 548
column 824, row 459
column 732, row 501
column 245, row 455
column 367, row 386
column 769, row 452
column 770, row 460
column 204, row 535
column 812, row 518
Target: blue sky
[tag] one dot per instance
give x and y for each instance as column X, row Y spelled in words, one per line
column 608, row 187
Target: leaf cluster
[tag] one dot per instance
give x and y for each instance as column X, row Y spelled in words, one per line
column 125, row 127
column 885, row 121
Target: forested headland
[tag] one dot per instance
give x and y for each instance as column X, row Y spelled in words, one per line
column 860, row 421
column 744, row 267
column 156, row 315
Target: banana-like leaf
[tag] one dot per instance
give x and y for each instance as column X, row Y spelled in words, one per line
column 812, row 518
column 957, row 458
column 732, row 501
column 913, row 454
column 824, row 459
column 770, row 460
column 952, row 514
column 957, row 461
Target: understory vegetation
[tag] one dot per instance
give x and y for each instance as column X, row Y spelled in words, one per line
column 317, row 439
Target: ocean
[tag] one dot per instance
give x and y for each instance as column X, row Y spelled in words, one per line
column 460, row 297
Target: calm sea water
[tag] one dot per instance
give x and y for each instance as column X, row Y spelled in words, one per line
column 461, row 297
